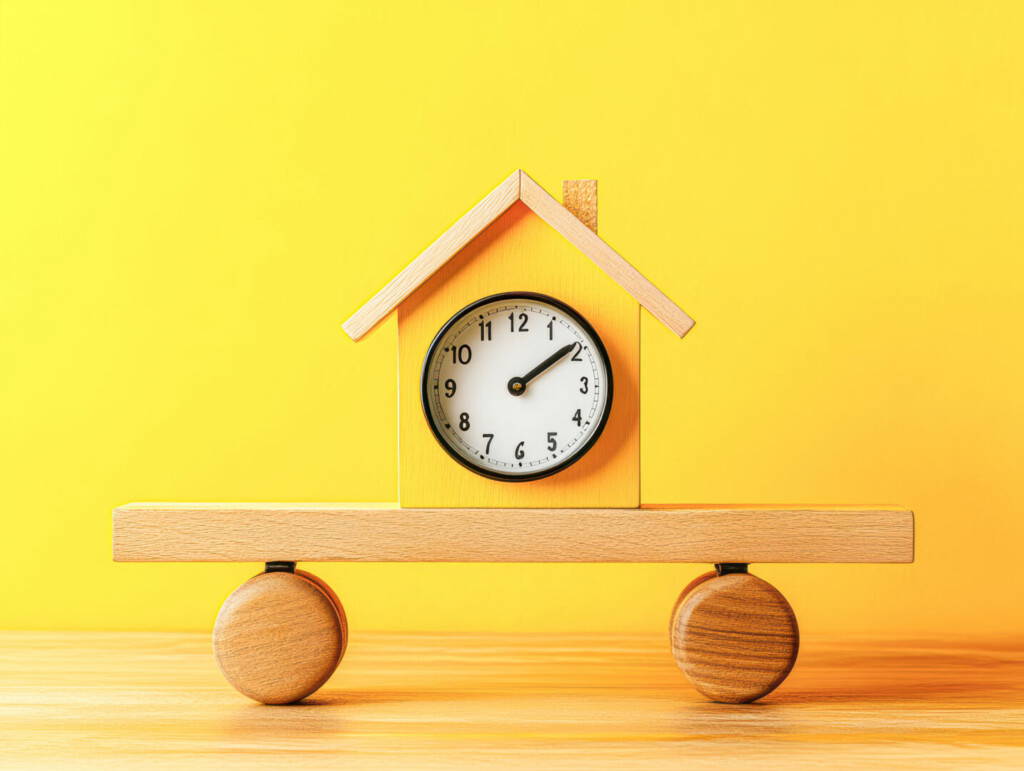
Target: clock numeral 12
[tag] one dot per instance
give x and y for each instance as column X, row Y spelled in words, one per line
column 523, row 318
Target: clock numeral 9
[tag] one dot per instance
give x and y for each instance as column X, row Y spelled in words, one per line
column 520, row 454
column 449, row 388
column 523, row 318
column 461, row 354
column 584, row 384
column 552, row 442
column 464, row 421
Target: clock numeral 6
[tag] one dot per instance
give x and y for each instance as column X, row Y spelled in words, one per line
column 464, row 421
column 520, row 454
column 449, row 388
column 552, row 441
column 461, row 354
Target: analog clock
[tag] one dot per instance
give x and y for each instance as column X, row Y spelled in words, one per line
column 517, row 386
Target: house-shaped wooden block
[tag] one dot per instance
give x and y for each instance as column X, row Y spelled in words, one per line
column 519, row 239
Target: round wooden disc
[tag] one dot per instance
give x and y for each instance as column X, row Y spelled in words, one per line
column 337, row 606
column 278, row 638
column 735, row 637
column 686, row 592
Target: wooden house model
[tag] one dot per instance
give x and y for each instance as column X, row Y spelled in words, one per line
column 554, row 493
column 520, row 238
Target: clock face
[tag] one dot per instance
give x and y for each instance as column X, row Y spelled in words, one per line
column 517, row 386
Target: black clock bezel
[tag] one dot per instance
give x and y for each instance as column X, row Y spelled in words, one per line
column 583, row 324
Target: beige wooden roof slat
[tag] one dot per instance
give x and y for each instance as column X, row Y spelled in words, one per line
column 517, row 186
column 606, row 258
column 493, row 205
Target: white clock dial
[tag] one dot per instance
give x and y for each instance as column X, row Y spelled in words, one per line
column 517, row 386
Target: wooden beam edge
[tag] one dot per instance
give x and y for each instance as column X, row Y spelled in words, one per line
column 345, row 532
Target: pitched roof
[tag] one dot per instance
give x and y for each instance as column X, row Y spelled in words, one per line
column 518, row 186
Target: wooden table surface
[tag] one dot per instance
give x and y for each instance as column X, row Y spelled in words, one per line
column 542, row 702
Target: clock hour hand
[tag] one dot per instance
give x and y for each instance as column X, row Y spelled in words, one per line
column 517, row 385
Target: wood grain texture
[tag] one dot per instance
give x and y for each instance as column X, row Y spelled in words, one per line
column 707, row 576
column 335, row 601
column 520, row 252
column 279, row 637
column 735, row 637
column 579, row 196
column 555, row 702
column 180, row 532
column 433, row 257
column 606, row 258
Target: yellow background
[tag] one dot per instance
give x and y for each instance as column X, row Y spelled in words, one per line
column 195, row 195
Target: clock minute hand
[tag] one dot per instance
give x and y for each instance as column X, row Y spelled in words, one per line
column 517, row 385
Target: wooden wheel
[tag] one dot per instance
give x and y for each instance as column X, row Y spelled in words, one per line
column 280, row 636
column 325, row 587
column 686, row 593
column 734, row 636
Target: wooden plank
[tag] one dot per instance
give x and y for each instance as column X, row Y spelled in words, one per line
column 433, row 257
column 579, row 196
column 464, row 702
column 610, row 261
column 241, row 532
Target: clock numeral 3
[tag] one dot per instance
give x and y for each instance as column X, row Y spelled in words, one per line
column 584, row 384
